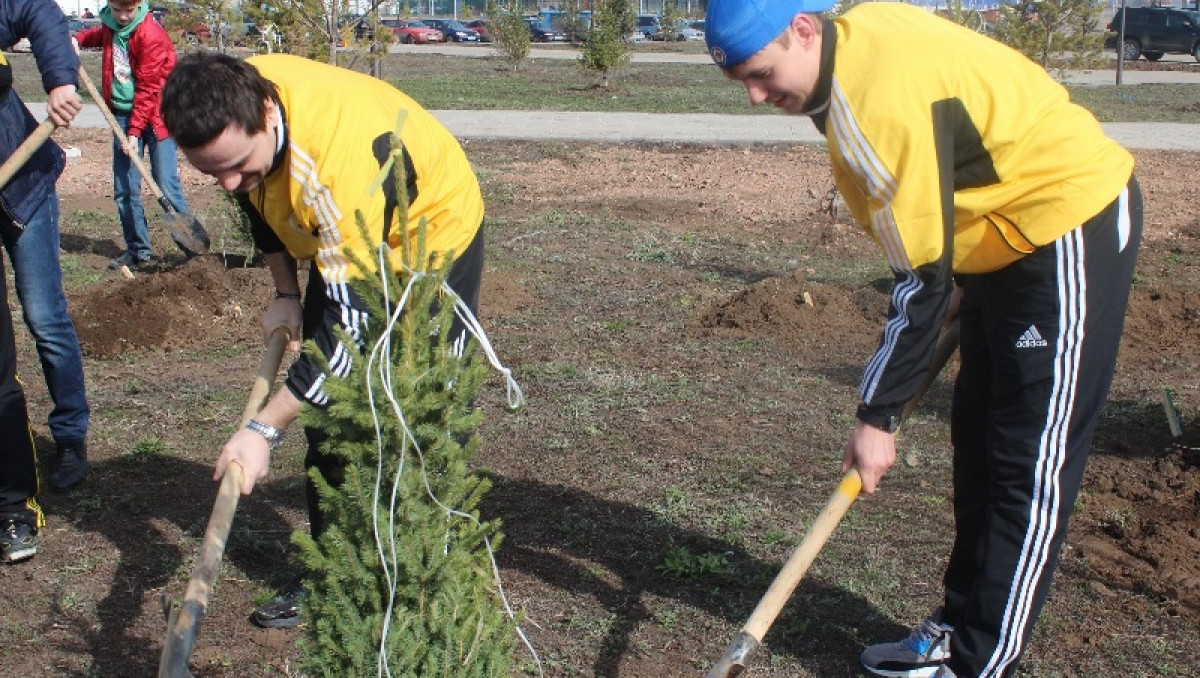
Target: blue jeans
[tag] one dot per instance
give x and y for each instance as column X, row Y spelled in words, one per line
column 38, row 276
column 127, row 185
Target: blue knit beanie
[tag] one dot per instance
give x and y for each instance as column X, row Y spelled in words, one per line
column 736, row 30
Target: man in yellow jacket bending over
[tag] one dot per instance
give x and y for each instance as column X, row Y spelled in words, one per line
column 300, row 143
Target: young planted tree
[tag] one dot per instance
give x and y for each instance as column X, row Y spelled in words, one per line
column 1058, row 34
column 401, row 581
column 510, row 33
column 669, row 18
column 573, row 22
column 605, row 50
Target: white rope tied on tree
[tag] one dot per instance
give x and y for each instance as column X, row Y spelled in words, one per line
column 381, row 354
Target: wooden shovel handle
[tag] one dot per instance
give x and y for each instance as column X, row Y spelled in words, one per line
column 267, row 369
column 221, row 519
column 25, row 151
column 183, row 624
column 120, row 134
column 798, row 563
column 733, row 662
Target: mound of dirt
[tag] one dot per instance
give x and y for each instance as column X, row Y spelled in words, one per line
column 182, row 308
column 790, row 306
column 1141, row 530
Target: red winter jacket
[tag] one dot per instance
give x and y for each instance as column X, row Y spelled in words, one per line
column 152, row 57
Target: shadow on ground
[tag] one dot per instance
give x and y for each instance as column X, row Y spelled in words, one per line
column 556, row 534
column 153, row 510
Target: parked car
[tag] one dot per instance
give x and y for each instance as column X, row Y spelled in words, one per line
column 75, row 25
column 453, row 31
column 481, row 27
column 540, row 31
column 648, row 25
column 410, row 31
column 683, row 31
column 1154, row 31
column 364, row 27
column 183, row 20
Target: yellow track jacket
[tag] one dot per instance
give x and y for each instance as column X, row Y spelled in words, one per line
column 339, row 127
column 958, row 155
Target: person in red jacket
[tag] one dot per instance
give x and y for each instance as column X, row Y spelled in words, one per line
column 138, row 56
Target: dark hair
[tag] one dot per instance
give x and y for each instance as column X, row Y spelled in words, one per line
column 209, row 91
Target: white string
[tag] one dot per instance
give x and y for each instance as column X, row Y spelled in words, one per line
column 382, row 351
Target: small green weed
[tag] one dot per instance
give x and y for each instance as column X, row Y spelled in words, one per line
column 75, row 275
column 773, row 537
column 596, row 627
column 150, row 447
column 667, row 617
column 681, row 563
column 90, row 504
column 650, row 250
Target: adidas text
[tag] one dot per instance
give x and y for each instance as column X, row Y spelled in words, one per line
column 1031, row 338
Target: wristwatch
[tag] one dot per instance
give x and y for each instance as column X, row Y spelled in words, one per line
column 273, row 435
column 884, row 422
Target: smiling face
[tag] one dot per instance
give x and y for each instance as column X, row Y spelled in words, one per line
column 237, row 160
column 784, row 73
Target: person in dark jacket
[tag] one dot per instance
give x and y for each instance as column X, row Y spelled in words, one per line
column 137, row 57
column 29, row 229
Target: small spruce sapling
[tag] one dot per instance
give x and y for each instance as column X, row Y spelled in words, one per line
column 398, row 579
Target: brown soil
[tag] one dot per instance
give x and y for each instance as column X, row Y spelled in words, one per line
column 688, row 324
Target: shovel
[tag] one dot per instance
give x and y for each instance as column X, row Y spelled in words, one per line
column 25, row 151
column 185, row 229
column 183, row 620
column 733, row 662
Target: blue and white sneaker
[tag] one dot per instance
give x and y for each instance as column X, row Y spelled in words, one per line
column 921, row 655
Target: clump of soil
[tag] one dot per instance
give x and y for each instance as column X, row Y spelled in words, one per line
column 790, row 308
column 1141, row 530
column 173, row 309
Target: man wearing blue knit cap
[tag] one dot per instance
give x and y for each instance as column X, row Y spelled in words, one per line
column 998, row 203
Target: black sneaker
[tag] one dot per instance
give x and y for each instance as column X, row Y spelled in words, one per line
column 71, row 467
column 282, row 611
column 18, row 540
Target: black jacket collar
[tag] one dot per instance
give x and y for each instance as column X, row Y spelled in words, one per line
column 821, row 93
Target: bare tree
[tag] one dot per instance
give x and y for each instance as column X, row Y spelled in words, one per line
column 324, row 30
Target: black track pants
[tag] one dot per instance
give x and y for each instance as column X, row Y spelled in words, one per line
column 18, row 462
column 1039, row 345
